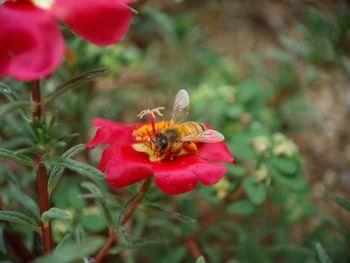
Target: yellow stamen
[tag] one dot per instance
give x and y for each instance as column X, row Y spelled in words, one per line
column 144, row 133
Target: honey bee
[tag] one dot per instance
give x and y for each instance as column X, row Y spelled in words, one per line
column 180, row 137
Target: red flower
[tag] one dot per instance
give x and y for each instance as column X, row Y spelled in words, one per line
column 31, row 44
column 124, row 165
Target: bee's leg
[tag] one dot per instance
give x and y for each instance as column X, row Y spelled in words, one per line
column 168, row 154
column 191, row 148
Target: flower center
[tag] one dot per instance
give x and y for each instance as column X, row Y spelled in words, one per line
column 159, row 142
column 145, row 139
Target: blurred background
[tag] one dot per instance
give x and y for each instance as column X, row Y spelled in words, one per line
column 272, row 76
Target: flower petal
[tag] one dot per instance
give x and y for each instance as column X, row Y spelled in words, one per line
column 100, row 122
column 103, row 22
column 106, row 157
column 208, row 173
column 110, row 132
column 175, row 177
column 31, row 44
column 215, row 152
column 124, row 166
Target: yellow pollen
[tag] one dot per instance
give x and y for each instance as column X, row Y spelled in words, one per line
column 144, row 133
column 143, row 137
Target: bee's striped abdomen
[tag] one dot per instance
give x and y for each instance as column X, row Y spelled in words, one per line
column 191, row 128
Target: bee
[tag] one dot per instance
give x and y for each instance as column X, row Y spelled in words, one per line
column 180, row 137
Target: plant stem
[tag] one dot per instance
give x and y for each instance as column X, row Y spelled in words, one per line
column 41, row 173
column 214, row 215
column 20, row 250
column 36, row 96
column 135, row 201
column 193, row 248
column 131, row 206
column 106, row 247
column 75, row 82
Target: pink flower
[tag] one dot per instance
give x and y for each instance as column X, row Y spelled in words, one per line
column 31, row 44
column 125, row 164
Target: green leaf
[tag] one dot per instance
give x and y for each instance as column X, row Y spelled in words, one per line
column 15, row 105
column 241, row 208
column 284, row 165
column 57, row 172
column 278, row 55
column 321, row 254
column 175, row 255
column 19, row 218
column 29, row 150
column 294, row 46
column 9, row 176
column 172, row 214
column 92, row 188
column 10, row 94
column 26, row 201
column 75, row 82
column 11, row 155
column 79, row 234
column 73, row 252
column 91, row 218
column 234, row 112
column 79, row 167
column 55, row 213
column 256, row 191
column 296, row 183
column 338, row 200
column 145, row 242
column 200, row 260
column 124, row 234
column 338, row 226
column 236, row 170
column 3, row 249
column 247, row 91
column 286, row 248
column 101, row 201
column 62, row 241
column 13, row 96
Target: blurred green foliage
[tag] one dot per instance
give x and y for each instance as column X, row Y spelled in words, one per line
column 271, row 223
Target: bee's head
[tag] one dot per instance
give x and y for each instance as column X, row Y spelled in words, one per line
column 161, row 143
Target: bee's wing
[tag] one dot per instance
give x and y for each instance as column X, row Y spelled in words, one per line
column 181, row 106
column 208, row 136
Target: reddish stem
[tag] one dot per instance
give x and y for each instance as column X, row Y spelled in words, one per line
column 16, row 242
column 135, row 201
column 106, row 247
column 129, row 211
column 36, row 96
column 41, row 174
column 213, row 216
column 193, row 248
